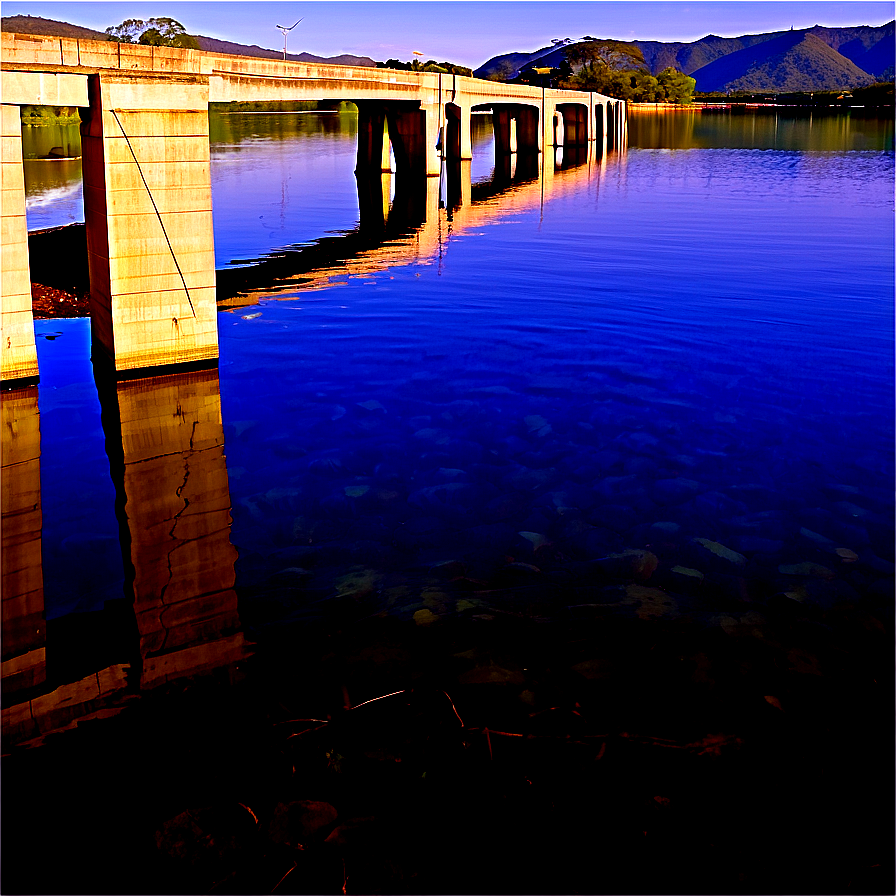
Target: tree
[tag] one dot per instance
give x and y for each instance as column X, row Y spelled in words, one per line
column 676, row 86
column 160, row 32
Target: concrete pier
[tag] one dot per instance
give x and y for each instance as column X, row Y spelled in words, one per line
column 148, row 210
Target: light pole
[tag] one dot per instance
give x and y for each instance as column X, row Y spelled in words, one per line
column 417, row 61
column 286, row 31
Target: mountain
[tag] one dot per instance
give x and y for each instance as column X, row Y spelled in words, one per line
column 48, row 28
column 794, row 61
column 52, row 28
column 815, row 58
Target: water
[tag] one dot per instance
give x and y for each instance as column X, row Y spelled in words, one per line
column 616, row 437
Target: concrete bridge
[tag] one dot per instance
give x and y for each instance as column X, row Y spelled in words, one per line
column 147, row 188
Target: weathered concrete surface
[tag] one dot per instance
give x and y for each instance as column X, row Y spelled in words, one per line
column 148, row 210
column 18, row 354
column 24, row 663
column 171, row 478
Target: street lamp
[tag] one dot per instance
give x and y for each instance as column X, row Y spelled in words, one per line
column 417, row 53
column 286, row 31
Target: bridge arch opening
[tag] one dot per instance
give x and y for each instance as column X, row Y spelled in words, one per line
column 575, row 124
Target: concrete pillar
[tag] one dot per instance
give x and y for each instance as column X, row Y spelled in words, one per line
column 147, row 205
column 165, row 444
column 24, row 661
column 501, row 126
column 575, row 127
column 414, row 132
column 466, row 132
column 527, row 129
column 373, row 140
column 18, row 355
column 516, row 129
column 600, row 122
column 451, row 146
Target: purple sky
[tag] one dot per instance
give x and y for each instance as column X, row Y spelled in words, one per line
column 467, row 32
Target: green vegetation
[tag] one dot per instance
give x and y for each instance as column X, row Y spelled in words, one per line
column 429, row 66
column 618, row 69
column 162, row 32
column 41, row 116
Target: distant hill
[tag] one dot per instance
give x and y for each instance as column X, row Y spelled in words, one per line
column 794, row 61
column 809, row 59
column 52, row 28
column 48, row 27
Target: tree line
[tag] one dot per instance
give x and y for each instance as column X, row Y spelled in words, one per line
column 430, row 65
column 613, row 68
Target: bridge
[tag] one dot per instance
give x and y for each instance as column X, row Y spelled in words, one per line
column 146, row 172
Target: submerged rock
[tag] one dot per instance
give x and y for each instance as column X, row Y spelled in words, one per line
column 717, row 555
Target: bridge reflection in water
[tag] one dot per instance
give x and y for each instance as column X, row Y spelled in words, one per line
column 165, row 444
column 405, row 219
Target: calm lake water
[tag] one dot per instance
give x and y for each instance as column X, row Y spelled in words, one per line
column 611, row 437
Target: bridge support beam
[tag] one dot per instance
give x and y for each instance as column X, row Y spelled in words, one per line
column 148, row 210
column 373, row 138
column 575, row 123
column 18, row 355
column 516, row 128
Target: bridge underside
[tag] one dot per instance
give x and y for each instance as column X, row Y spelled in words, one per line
column 147, row 186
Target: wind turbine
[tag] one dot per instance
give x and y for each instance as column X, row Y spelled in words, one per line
column 285, row 32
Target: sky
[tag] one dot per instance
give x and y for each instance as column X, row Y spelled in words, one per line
column 466, row 32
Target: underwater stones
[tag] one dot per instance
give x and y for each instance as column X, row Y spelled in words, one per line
column 640, row 466
column 684, row 577
column 753, row 544
column 716, row 504
column 650, row 603
column 433, row 436
column 527, row 480
column 820, row 592
column 674, row 491
column 713, row 555
column 448, row 570
column 616, row 517
column 639, row 442
column 631, row 564
column 326, row 466
column 622, row 486
column 807, row 568
column 536, row 425
column 825, row 523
